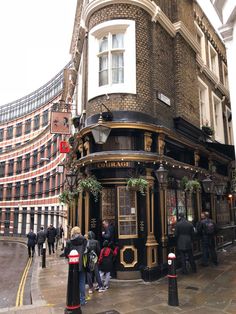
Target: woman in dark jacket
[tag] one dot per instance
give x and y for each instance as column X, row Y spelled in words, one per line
column 93, row 247
column 105, row 263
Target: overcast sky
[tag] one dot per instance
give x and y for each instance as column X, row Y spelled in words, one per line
column 35, row 41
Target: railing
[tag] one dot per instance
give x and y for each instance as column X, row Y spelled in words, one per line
column 34, row 100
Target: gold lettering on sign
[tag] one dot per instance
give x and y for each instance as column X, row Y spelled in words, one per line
column 114, row 164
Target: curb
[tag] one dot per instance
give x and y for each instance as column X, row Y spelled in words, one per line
column 35, row 292
column 14, row 239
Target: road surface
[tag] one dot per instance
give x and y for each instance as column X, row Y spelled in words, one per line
column 13, row 259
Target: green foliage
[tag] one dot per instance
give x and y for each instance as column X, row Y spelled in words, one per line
column 207, row 130
column 183, row 182
column 67, row 197
column 191, row 186
column 137, row 184
column 91, row 185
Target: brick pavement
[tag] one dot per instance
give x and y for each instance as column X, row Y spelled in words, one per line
column 211, row 290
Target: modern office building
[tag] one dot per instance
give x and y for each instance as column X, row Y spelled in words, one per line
column 29, row 157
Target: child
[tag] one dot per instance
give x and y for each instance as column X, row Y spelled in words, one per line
column 106, row 263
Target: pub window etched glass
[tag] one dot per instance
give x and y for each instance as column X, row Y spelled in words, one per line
column 127, row 213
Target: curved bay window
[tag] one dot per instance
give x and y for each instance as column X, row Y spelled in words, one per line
column 127, row 213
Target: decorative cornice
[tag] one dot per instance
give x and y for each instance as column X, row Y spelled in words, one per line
column 226, row 32
column 147, row 5
column 213, row 78
column 185, row 33
column 150, row 7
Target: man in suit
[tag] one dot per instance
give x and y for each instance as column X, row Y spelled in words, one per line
column 184, row 234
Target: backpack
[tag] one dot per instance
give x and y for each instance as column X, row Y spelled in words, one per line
column 92, row 260
column 209, row 227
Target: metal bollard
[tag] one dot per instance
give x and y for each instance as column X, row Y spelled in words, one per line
column 44, row 256
column 172, row 281
column 73, row 293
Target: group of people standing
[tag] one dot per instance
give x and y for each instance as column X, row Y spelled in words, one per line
column 52, row 235
column 184, row 233
column 95, row 263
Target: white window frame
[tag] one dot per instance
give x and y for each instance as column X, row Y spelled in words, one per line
column 206, row 116
column 129, row 85
column 212, row 49
column 203, row 43
column 225, row 76
column 219, row 129
column 230, row 133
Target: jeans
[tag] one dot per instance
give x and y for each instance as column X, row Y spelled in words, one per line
column 107, row 278
column 82, row 287
column 31, row 248
column 208, row 250
column 97, row 276
column 184, row 254
column 51, row 248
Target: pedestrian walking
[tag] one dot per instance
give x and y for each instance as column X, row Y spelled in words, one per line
column 79, row 243
column 105, row 263
column 184, row 232
column 207, row 230
column 93, row 247
column 59, row 237
column 51, row 236
column 108, row 232
column 31, row 242
column 41, row 238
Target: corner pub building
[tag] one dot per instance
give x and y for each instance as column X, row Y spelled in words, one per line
column 157, row 71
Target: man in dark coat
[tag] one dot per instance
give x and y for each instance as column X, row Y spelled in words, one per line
column 31, row 242
column 78, row 243
column 41, row 238
column 108, row 232
column 184, row 234
column 207, row 230
column 51, row 236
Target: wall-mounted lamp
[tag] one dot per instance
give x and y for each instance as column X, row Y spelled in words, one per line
column 101, row 131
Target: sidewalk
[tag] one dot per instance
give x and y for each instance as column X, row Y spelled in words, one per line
column 211, row 290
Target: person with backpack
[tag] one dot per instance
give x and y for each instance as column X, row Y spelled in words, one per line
column 184, row 232
column 105, row 263
column 207, row 230
column 78, row 243
column 93, row 248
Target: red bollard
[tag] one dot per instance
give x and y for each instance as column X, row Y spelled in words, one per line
column 73, row 293
column 172, row 281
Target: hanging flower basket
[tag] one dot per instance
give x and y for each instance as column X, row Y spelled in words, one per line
column 137, row 184
column 207, row 130
column 91, row 185
column 191, row 186
column 67, row 197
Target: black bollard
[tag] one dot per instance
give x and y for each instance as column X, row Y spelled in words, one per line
column 172, row 281
column 73, row 293
column 44, row 256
